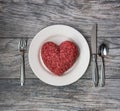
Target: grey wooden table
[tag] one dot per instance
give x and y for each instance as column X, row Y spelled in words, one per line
column 24, row 18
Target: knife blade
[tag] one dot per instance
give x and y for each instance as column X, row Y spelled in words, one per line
column 93, row 39
column 95, row 76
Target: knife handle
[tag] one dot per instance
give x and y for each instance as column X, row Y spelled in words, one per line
column 95, row 75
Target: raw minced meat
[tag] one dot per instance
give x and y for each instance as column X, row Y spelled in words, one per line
column 59, row 59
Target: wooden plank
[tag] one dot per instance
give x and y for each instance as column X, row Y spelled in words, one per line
column 23, row 18
column 37, row 96
column 10, row 59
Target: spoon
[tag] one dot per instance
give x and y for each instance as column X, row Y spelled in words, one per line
column 103, row 51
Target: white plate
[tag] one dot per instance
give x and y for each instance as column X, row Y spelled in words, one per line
column 58, row 34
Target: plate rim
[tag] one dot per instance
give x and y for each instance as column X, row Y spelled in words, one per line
column 82, row 38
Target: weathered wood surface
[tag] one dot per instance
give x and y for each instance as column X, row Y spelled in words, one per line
column 80, row 96
column 10, row 59
column 24, row 18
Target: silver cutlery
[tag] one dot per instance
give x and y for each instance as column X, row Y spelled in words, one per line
column 22, row 46
column 103, row 51
column 95, row 75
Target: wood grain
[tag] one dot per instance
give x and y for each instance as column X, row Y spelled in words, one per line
column 80, row 96
column 24, row 18
column 10, row 59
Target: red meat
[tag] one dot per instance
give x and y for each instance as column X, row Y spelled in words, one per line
column 59, row 59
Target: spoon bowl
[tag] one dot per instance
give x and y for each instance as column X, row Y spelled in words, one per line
column 103, row 50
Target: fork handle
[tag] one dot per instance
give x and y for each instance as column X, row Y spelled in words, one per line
column 22, row 73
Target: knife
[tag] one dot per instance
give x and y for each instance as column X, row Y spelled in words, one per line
column 95, row 76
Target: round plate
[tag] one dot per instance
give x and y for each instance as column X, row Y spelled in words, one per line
column 58, row 34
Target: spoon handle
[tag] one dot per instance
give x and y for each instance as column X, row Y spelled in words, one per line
column 102, row 80
column 95, row 75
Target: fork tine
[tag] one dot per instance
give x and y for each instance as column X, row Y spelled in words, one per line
column 25, row 42
column 22, row 44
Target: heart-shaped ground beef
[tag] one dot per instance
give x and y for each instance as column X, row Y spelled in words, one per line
column 59, row 59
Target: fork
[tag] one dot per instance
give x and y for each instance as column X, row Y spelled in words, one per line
column 22, row 46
